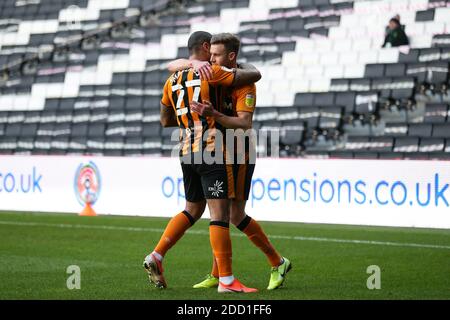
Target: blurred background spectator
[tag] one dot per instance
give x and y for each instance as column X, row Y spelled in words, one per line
column 395, row 35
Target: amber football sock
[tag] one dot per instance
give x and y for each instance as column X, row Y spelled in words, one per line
column 215, row 269
column 219, row 235
column 175, row 229
column 256, row 235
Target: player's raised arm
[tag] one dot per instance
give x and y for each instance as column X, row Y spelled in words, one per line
column 203, row 68
column 223, row 76
column 178, row 65
column 246, row 74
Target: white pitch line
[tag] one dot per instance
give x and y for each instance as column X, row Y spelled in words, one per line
column 201, row 232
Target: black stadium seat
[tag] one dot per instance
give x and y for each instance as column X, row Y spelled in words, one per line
column 381, row 144
column 431, row 145
column 395, row 70
column 347, row 100
column 309, row 115
column 426, row 15
column 288, row 114
column 435, row 113
column 265, row 114
column 406, row 144
column 291, row 136
column 412, row 56
column 420, row 130
column 441, row 130
column 374, row 71
column 324, row 99
column 304, row 99
column 429, row 54
column 360, row 84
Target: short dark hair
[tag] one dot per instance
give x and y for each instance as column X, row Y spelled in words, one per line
column 230, row 41
column 395, row 20
column 197, row 39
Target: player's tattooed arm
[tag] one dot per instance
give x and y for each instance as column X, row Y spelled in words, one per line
column 242, row 121
column 246, row 74
column 203, row 68
column 167, row 117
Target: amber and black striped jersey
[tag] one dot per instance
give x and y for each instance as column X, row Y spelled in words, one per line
column 184, row 86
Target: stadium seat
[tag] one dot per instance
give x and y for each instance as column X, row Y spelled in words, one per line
column 406, row 144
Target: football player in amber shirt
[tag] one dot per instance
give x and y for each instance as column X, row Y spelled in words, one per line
column 203, row 182
column 224, row 51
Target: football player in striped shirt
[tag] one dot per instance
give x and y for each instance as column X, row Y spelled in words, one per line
column 204, row 183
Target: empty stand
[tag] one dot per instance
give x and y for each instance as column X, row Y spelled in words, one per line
column 328, row 86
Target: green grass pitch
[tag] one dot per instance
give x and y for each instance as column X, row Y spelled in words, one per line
column 36, row 249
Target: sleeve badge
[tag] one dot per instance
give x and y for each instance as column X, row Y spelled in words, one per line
column 250, row 100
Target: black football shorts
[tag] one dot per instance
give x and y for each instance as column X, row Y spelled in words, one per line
column 208, row 181
column 243, row 174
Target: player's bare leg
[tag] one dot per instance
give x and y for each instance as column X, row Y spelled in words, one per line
column 174, row 231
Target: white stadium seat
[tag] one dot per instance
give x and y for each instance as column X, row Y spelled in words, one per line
column 442, row 15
